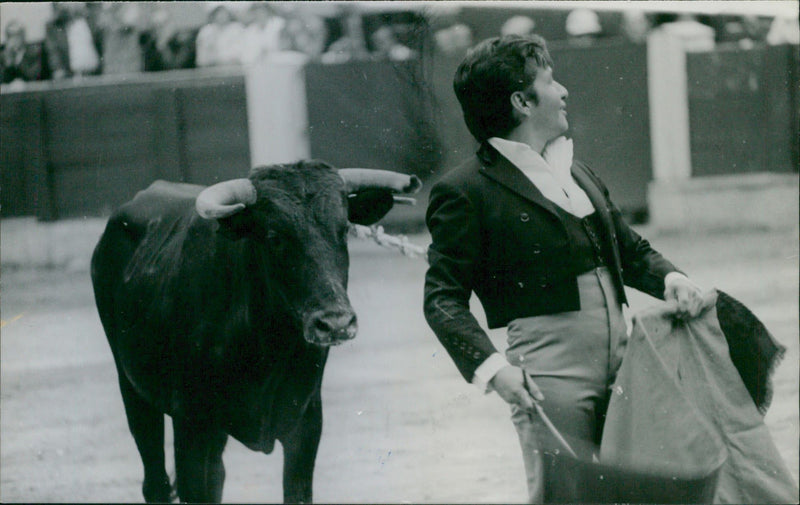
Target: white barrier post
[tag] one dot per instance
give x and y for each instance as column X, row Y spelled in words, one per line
column 276, row 109
column 669, row 107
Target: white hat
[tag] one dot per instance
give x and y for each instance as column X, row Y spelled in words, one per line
column 518, row 25
column 583, row 22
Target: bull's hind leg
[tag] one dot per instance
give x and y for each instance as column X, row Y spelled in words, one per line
column 199, row 470
column 300, row 453
column 147, row 427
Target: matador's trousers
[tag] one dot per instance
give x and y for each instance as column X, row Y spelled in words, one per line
column 573, row 357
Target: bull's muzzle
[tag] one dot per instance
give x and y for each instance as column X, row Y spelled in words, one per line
column 330, row 327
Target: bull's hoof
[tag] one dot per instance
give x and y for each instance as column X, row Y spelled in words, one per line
column 158, row 492
column 300, row 494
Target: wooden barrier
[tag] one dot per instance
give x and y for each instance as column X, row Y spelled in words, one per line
column 83, row 147
column 743, row 110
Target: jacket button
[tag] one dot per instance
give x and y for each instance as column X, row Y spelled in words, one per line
column 524, row 217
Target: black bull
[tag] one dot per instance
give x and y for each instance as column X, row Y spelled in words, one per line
column 220, row 304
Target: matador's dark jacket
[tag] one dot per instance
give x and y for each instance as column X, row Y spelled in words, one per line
column 494, row 233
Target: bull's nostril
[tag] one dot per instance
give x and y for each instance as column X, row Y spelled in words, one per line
column 322, row 325
column 332, row 327
column 334, row 322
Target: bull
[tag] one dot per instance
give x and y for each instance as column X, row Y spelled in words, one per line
column 220, row 305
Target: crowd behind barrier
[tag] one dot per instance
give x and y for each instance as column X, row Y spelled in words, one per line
column 90, row 38
column 94, row 38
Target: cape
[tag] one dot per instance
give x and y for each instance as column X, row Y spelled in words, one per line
column 689, row 400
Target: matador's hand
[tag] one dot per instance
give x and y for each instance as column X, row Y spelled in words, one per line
column 509, row 383
column 685, row 294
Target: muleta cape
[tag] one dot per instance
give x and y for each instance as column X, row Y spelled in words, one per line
column 689, row 401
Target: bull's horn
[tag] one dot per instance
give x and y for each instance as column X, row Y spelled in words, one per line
column 363, row 178
column 225, row 198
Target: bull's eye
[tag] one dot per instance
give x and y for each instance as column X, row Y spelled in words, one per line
column 275, row 241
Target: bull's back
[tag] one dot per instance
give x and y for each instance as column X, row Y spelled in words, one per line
column 127, row 229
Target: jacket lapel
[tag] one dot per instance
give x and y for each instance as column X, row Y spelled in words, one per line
column 594, row 193
column 601, row 205
column 504, row 172
column 498, row 168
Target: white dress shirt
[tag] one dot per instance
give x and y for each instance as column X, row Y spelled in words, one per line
column 549, row 172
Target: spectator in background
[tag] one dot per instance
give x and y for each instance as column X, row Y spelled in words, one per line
column 745, row 31
column 352, row 45
column 265, row 33
column 386, row 46
column 72, row 49
column 307, row 34
column 583, row 27
column 219, row 42
column 635, row 26
column 166, row 46
column 21, row 62
column 523, row 26
column 123, row 33
column 454, row 40
column 784, row 30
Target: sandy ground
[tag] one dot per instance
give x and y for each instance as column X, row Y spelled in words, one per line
column 400, row 424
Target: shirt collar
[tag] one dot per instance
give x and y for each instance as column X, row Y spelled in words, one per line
column 557, row 154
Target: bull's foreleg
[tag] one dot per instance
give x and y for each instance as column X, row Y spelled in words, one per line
column 199, row 470
column 300, row 453
column 147, row 427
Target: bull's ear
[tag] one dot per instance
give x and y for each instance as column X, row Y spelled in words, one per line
column 237, row 226
column 368, row 206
